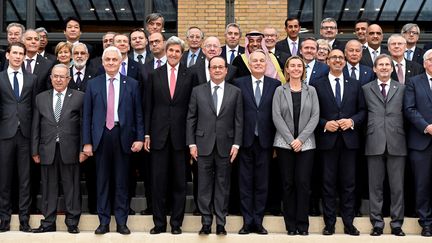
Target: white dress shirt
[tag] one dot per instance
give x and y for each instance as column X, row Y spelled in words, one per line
column 290, row 46
column 333, row 84
column 55, row 98
column 261, row 84
column 228, row 52
column 309, row 68
column 357, row 70
column 163, row 61
column 32, row 64
column 20, row 77
column 144, row 55
column 75, row 75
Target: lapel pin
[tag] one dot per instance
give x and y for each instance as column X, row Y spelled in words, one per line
column 124, row 81
column 394, row 86
column 409, row 71
column 70, row 95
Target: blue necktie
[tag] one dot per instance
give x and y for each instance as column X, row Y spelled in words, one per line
column 123, row 68
column 232, row 56
column 338, row 93
column 16, row 85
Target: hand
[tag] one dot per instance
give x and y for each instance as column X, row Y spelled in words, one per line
column 429, row 129
column 137, row 146
column 296, row 145
column 233, row 153
column 88, row 149
column 36, row 158
column 345, row 124
column 147, row 144
column 331, row 126
column 82, row 157
column 194, row 152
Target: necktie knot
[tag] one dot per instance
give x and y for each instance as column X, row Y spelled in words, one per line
column 353, row 68
column 123, row 64
column 15, row 73
column 337, row 80
column 159, row 62
column 59, row 94
column 28, row 65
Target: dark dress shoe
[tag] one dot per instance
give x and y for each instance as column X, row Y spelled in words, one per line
column 397, row 231
column 131, row 211
column 196, row 213
column 157, row 230
column 25, row 227
column 102, row 229
column 376, row 231
column 292, row 232
column 303, row 232
column 44, row 229
column 146, row 211
column 205, row 230
column 220, row 230
column 426, row 231
column 246, row 229
column 73, row 229
column 176, row 230
column 123, row 229
column 328, row 230
column 4, row 226
column 259, row 229
column 351, row 230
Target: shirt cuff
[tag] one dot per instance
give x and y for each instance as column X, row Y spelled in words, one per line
column 192, row 145
column 147, row 136
column 236, row 146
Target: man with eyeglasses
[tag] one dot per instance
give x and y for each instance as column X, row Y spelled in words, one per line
column 270, row 38
column 80, row 72
column 342, row 111
column 328, row 31
column 374, row 37
column 291, row 44
column 411, row 33
column 194, row 39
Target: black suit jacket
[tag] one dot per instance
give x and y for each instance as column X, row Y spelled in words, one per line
column 148, row 58
column 13, row 112
column 282, row 45
column 42, row 70
column 367, row 59
column 49, row 56
column 366, row 74
column 319, row 70
column 165, row 117
column 45, row 128
column 184, row 57
column 340, row 45
column 411, row 69
column 89, row 74
column 241, row 50
column 199, row 74
column 243, row 70
column 418, row 56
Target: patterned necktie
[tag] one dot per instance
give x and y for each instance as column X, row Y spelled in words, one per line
column 78, row 80
column 58, row 107
column 215, row 97
column 232, row 56
column 159, row 63
column 353, row 75
column 294, row 48
column 400, row 73
column 383, row 90
column 408, row 55
column 192, row 60
column 110, row 105
column 123, row 68
column 16, row 85
column 28, row 66
column 338, row 93
column 140, row 58
column 172, row 82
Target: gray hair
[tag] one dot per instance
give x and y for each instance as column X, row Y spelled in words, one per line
column 235, row 25
column 394, row 36
column 61, row 65
column 427, row 53
column 328, row 20
column 195, row 27
column 112, row 49
column 174, row 40
column 409, row 26
column 16, row 25
column 41, row 29
column 79, row 44
column 155, row 16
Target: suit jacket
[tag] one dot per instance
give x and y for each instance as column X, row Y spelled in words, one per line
column 282, row 45
column 385, row 126
column 129, row 112
column 148, row 58
column 206, row 129
column 89, row 74
column 282, row 57
column 13, row 113
column 3, row 60
column 42, row 70
column 165, row 116
column 340, row 45
column 366, row 74
column 352, row 106
column 367, row 59
column 243, row 70
column 319, row 70
column 50, row 56
column 133, row 70
column 241, row 50
column 184, row 58
column 417, row 56
column 283, row 117
column 68, row 129
column 198, row 72
column 411, row 69
column 257, row 113
column 418, row 111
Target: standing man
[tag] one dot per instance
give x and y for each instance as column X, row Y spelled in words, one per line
column 342, row 112
column 353, row 68
column 329, row 31
column 314, row 69
column 360, row 31
column 258, row 135
column 80, row 72
column 411, row 33
column 270, row 38
column 155, row 23
column 16, row 100
column 43, row 37
column 374, row 37
column 56, row 145
column 112, row 129
column 157, row 48
column 385, row 145
column 14, row 34
column 167, row 99
column 232, row 48
column 214, row 134
column 418, row 111
column 194, row 38
column 138, row 41
column 291, row 44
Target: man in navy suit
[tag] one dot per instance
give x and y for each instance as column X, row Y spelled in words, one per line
column 328, row 32
column 194, row 38
column 232, row 48
column 258, row 134
column 374, row 38
column 411, row 33
column 314, row 69
column 342, row 111
column 112, row 128
column 292, row 42
column 418, row 110
column 353, row 68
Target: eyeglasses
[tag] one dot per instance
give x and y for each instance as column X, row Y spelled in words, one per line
column 217, row 67
column 334, row 58
column 411, row 32
column 155, row 42
column 209, row 46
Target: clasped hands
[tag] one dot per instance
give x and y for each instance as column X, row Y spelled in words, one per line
column 334, row 125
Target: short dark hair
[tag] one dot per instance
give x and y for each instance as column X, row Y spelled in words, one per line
column 70, row 18
column 138, row 30
column 362, row 20
column 19, row 44
column 290, row 19
column 225, row 62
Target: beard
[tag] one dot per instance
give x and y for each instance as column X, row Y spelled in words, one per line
column 80, row 64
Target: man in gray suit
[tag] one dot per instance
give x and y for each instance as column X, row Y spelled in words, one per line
column 214, row 134
column 385, row 145
column 56, row 145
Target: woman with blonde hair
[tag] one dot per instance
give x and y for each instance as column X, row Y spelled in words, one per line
column 63, row 53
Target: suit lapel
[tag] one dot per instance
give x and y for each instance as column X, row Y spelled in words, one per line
column 330, row 92
column 51, row 104
column 104, row 89
column 265, row 90
column 208, row 93
column 8, row 83
column 426, row 86
column 164, row 79
column 66, row 102
column 179, row 82
column 392, row 90
column 226, row 97
column 288, row 97
column 304, row 94
column 347, row 91
column 249, row 89
column 122, row 87
column 376, row 90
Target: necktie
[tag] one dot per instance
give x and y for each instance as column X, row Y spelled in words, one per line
column 257, row 100
column 123, row 68
column 110, row 105
column 307, row 73
column 408, row 55
column 338, row 93
column 215, row 97
column 172, row 82
column 159, row 62
column 232, row 56
column 383, row 90
column 16, row 85
column 400, row 73
column 58, row 106
column 140, row 59
column 28, row 65
column 430, row 83
column 353, row 75
column 294, row 48
column 192, row 60
column 375, row 53
column 78, row 79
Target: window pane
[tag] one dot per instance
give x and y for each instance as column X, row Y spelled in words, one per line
column 352, row 10
column 410, row 10
column 391, row 10
column 371, row 9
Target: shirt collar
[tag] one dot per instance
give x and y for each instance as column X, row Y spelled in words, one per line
column 116, row 77
column 381, row 82
column 176, row 67
column 255, row 79
column 291, row 41
column 349, row 66
column 229, row 48
column 332, row 77
column 11, row 70
column 403, row 62
column 221, row 85
column 63, row 92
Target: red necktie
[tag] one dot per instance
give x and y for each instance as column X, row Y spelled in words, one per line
column 172, row 82
column 110, row 105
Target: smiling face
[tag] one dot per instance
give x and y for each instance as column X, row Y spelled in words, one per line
column 270, row 37
column 336, row 62
column 360, row 31
column 72, row 31
column 383, row 68
column 64, row 55
column 211, row 47
column 14, row 34
column 194, row 39
column 257, row 64
column 111, row 62
column 218, row 70
column 294, row 69
column 122, row 43
column 174, row 54
column 329, row 30
column 254, row 43
column 308, row 50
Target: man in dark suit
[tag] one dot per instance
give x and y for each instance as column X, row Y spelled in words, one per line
column 411, row 33
column 72, row 32
column 214, row 134
column 374, row 38
column 385, row 145
column 80, row 72
column 404, row 69
column 43, row 37
column 194, row 38
column 360, row 31
column 314, row 69
column 291, row 44
column 417, row 109
column 232, row 48
column 328, row 32
column 258, row 134
column 14, row 34
column 17, row 89
column 167, row 99
column 157, row 47
column 270, row 37
column 56, row 145
column 342, row 112
column 353, row 68
column 138, row 42
column 112, row 128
